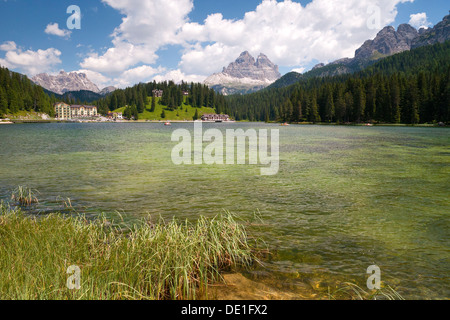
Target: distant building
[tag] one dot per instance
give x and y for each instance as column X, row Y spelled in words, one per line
column 62, row 111
column 185, row 93
column 215, row 117
column 83, row 111
column 157, row 93
column 115, row 115
column 65, row 112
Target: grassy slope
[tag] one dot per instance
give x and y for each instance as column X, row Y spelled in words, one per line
column 170, row 115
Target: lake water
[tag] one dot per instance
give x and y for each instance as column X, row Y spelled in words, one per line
column 345, row 198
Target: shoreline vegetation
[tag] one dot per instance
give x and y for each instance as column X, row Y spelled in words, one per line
column 31, row 118
column 171, row 260
column 166, row 260
column 423, row 125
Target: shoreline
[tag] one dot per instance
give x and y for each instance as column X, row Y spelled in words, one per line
column 176, row 259
column 424, row 125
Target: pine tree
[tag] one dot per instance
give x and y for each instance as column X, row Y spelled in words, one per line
column 196, row 117
column 3, row 102
column 359, row 102
column 140, row 105
column 314, row 113
column 329, row 108
column 288, row 110
column 153, row 105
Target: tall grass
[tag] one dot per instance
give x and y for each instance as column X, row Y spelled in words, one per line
column 24, row 196
column 166, row 260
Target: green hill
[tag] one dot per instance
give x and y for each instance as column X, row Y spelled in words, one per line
column 185, row 112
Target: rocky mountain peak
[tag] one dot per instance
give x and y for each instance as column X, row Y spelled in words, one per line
column 246, row 66
column 263, row 61
column 388, row 42
column 246, row 73
column 65, row 82
column 407, row 31
column 439, row 33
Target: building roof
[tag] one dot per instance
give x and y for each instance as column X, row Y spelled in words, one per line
column 78, row 106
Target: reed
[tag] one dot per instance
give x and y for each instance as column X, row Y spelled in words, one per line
column 157, row 261
column 24, row 196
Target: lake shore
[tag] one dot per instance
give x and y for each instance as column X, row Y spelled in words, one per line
column 152, row 261
column 192, row 121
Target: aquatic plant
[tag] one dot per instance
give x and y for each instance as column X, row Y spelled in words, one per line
column 24, row 196
column 159, row 260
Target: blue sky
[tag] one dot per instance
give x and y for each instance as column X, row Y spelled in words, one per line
column 123, row 42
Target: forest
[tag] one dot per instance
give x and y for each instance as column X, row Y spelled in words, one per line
column 18, row 93
column 411, row 87
column 138, row 97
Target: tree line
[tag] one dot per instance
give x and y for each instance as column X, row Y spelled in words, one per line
column 139, row 96
column 411, row 87
column 18, row 93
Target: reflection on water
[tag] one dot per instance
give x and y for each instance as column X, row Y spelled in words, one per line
column 345, row 198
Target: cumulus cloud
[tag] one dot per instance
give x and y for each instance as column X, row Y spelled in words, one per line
column 290, row 34
column 299, row 70
column 145, row 28
column 53, row 29
column 177, row 76
column 29, row 62
column 419, row 20
column 119, row 58
column 99, row 79
column 127, row 78
column 139, row 74
column 8, row 46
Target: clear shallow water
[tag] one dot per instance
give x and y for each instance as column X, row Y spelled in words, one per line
column 345, row 198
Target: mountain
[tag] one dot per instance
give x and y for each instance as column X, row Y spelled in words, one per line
column 245, row 75
column 440, row 33
column 64, row 82
column 409, row 87
column 387, row 43
column 107, row 90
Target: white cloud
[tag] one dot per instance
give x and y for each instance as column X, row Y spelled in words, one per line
column 419, row 20
column 8, row 46
column 99, row 79
column 146, row 27
column 177, row 76
column 53, row 29
column 125, row 79
column 299, row 70
column 290, row 34
column 119, row 58
column 139, row 74
column 29, row 62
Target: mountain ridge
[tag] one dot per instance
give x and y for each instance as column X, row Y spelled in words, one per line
column 244, row 75
column 387, row 43
column 69, row 82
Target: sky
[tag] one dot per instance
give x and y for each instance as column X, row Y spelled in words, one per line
column 124, row 42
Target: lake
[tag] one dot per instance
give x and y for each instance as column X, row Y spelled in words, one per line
column 345, row 198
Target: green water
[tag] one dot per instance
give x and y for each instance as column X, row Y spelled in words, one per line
column 345, row 198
